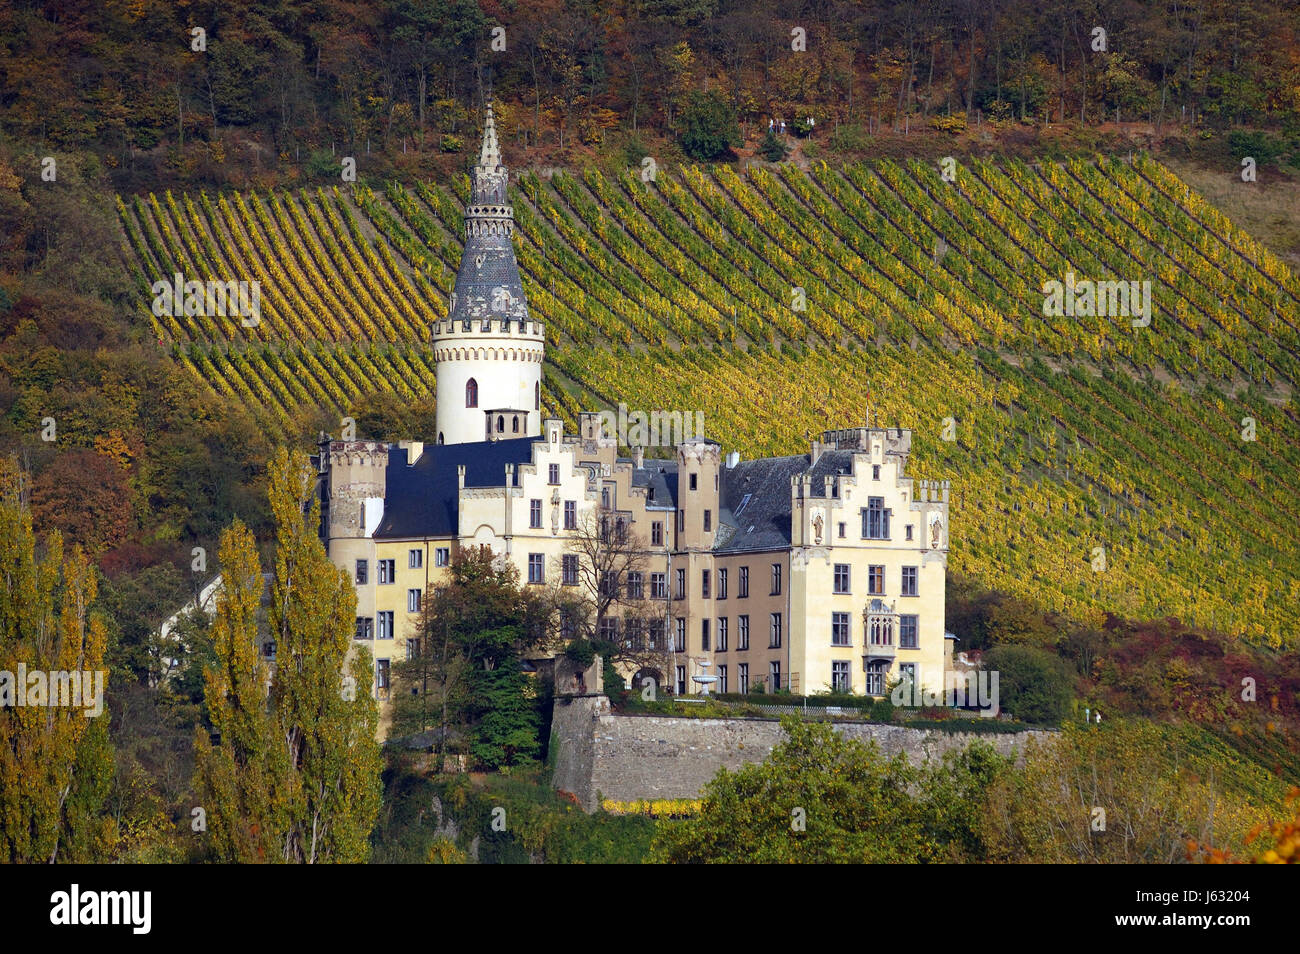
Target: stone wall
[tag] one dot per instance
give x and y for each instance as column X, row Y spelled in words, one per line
column 624, row 758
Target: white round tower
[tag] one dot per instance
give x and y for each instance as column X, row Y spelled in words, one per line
column 489, row 352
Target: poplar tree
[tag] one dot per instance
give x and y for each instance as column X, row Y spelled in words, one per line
column 295, row 777
column 56, row 764
column 243, row 780
column 321, row 698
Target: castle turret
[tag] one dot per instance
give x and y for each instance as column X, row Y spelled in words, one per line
column 489, row 351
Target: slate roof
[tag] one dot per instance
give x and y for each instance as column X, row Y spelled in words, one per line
column 421, row 500
column 762, row 522
column 660, row 478
column 487, row 282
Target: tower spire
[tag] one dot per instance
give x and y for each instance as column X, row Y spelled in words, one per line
column 490, row 154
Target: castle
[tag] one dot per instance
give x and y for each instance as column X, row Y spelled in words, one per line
column 817, row 572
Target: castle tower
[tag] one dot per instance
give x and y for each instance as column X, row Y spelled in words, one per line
column 489, row 352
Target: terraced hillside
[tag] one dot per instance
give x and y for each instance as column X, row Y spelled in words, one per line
column 777, row 301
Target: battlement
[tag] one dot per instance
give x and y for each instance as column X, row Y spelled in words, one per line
column 933, row 491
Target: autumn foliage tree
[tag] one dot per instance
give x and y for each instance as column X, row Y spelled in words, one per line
column 56, row 763
column 295, row 774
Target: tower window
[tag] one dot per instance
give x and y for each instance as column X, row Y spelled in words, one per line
column 501, row 423
column 537, row 396
column 515, row 424
column 471, row 393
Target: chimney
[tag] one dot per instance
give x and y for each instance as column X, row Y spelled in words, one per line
column 733, row 459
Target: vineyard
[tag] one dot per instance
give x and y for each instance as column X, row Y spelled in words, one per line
column 779, row 301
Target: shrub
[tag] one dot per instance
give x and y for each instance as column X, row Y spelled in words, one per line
column 1033, row 684
column 708, row 127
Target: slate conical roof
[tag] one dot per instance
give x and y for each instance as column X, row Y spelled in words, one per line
column 488, row 284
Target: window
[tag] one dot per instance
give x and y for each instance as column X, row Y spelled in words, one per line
column 501, row 423
column 656, row 631
column 681, row 521
column 776, row 579
column 742, row 677
column 515, row 426
column 412, row 649
column 907, row 632
column 569, row 569
column 774, row 676
column 907, row 673
column 679, row 641
column 681, row 680
column 876, row 580
column 442, row 556
column 536, row 568
column 554, row 474
column 413, row 599
column 839, row 676
column 537, row 395
column 841, row 578
column 635, row 585
column 381, row 675
column 414, row 559
column 384, row 627
column 604, row 498
column 875, row 519
column 568, row 624
column 722, row 679
column 722, row 634
column 471, row 393
column 704, row 635
column 742, row 633
column 570, row 515
column 875, row 678
column 909, row 581
column 842, row 525
column 708, row 520
column 387, row 571
column 609, row 584
column 620, row 531
column 882, row 630
column 657, row 533
column 365, row 627
column 693, row 481
column 875, row 471
column 268, row 649
column 681, row 584
column 774, row 634
column 659, row 586
column 363, row 572
column 909, row 531
column 722, row 584
column 744, row 582
column 840, row 629
column 608, row 629
column 705, row 581
column 635, row 630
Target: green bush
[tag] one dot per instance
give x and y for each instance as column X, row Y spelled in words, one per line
column 771, row 147
column 708, row 127
column 1033, row 684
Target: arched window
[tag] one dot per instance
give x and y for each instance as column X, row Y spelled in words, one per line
column 440, row 440
column 515, row 426
column 501, row 424
column 537, row 395
column 471, row 393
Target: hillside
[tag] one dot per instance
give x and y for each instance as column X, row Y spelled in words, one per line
column 923, row 298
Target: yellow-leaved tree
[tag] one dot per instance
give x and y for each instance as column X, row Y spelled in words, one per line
column 295, row 776
column 56, row 762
